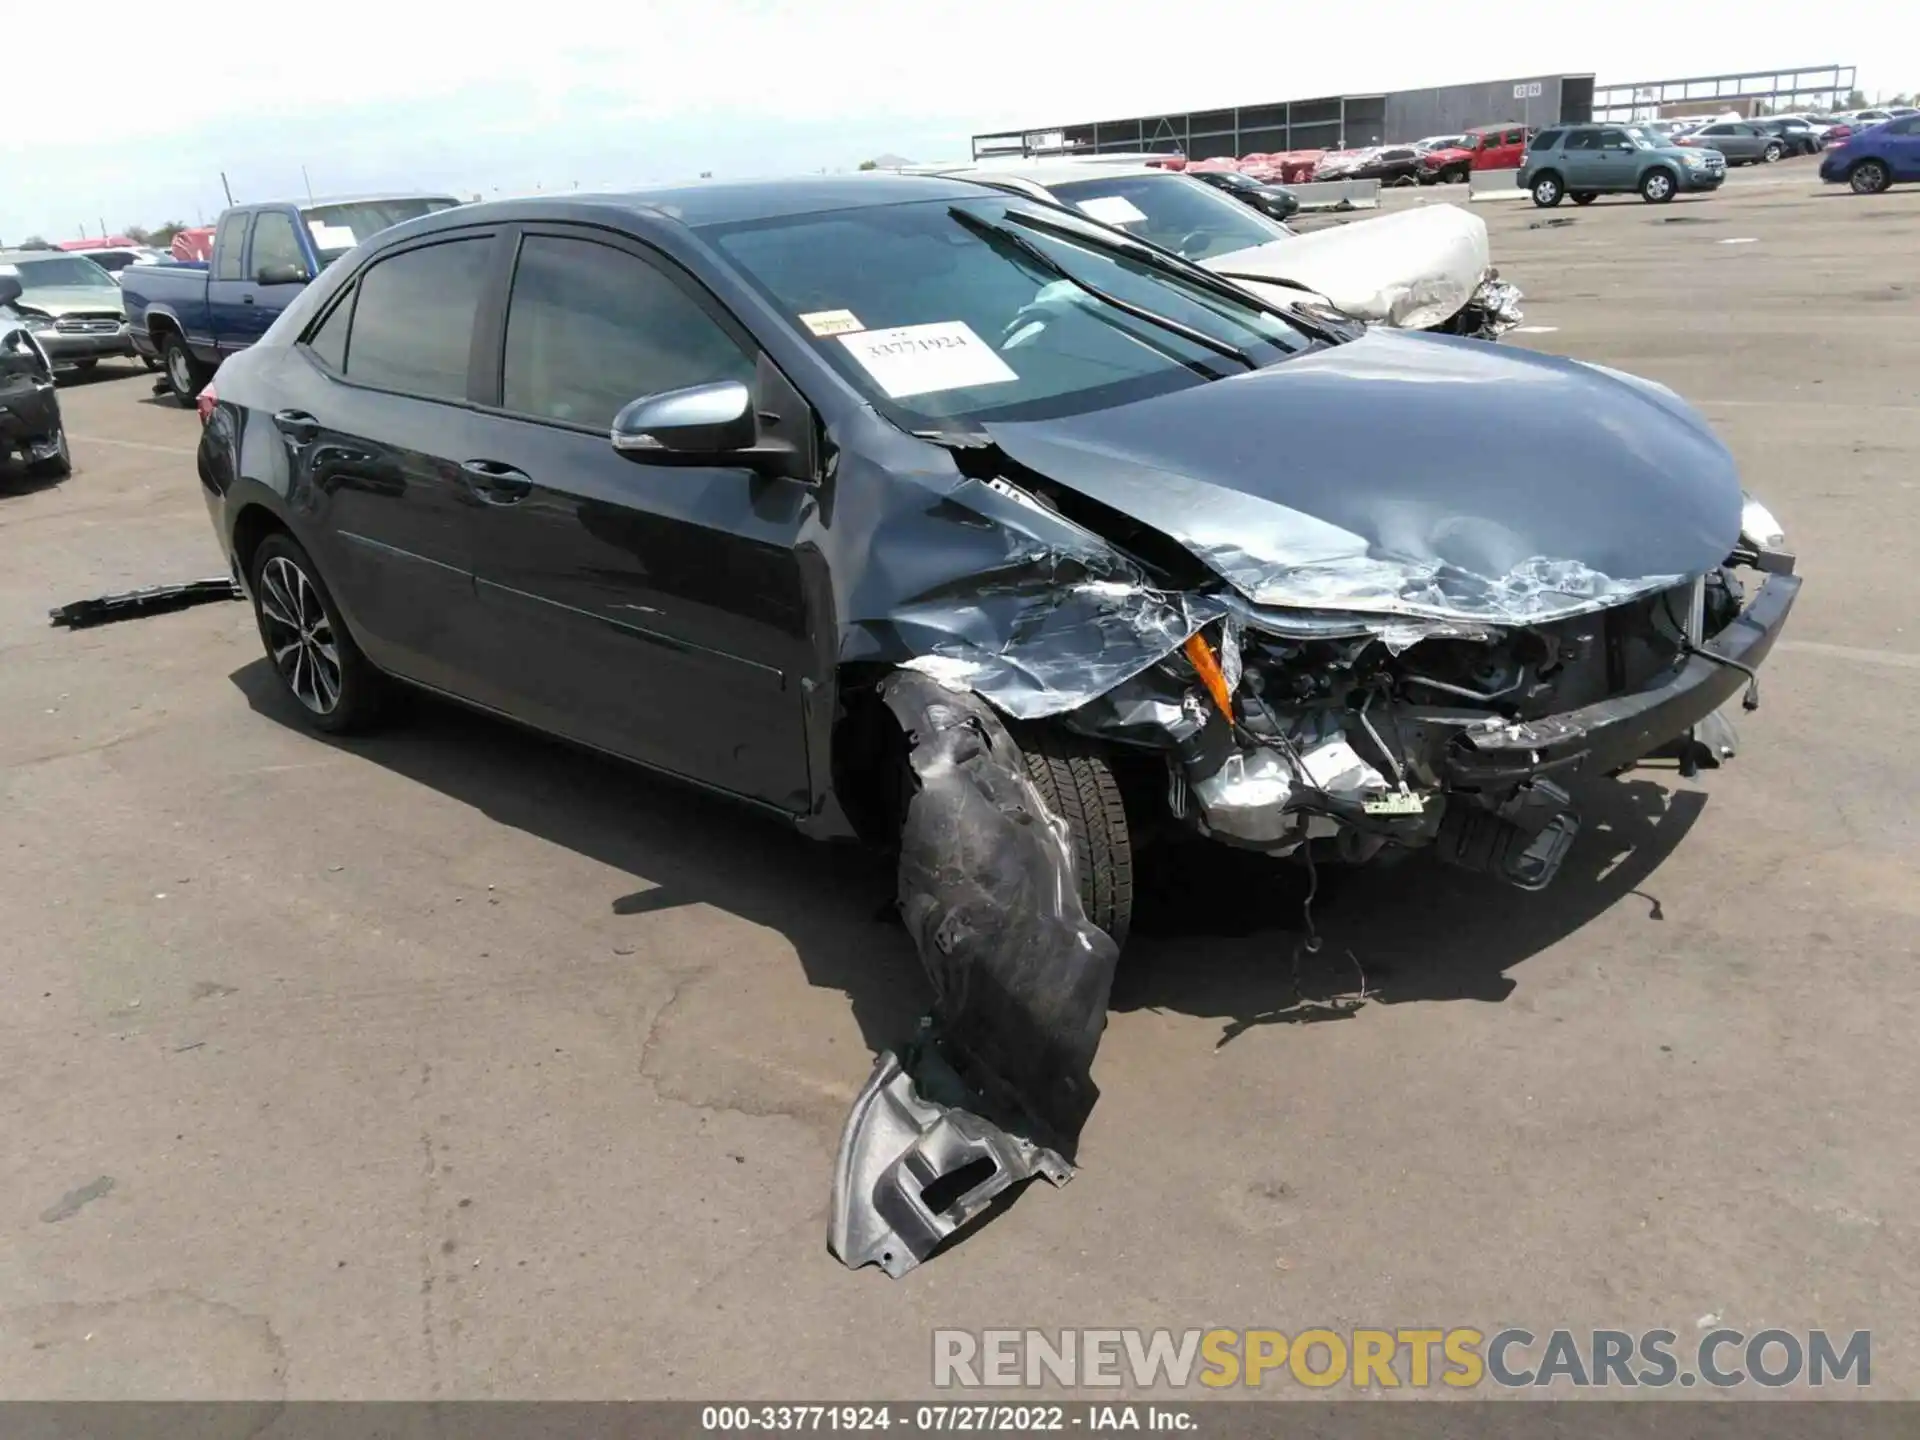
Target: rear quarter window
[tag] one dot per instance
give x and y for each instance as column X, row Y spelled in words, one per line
column 1546, row 140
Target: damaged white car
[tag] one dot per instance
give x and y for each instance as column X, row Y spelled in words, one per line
column 1424, row 269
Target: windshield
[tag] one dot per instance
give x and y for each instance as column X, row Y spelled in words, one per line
column 57, row 270
column 1177, row 214
column 336, row 229
column 935, row 315
column 1645, row 139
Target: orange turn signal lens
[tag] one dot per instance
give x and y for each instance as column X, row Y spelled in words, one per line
column 1207, row 666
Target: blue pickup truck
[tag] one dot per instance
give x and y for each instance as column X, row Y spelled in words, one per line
column 191, row 315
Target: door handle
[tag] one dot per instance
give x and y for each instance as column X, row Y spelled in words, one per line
column 297, row 425
column 494, row 483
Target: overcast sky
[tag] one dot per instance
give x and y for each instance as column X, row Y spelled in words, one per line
column 401, row 95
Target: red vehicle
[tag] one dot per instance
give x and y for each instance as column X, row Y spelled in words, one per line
column 1294, row 167
column 1446, row 165
column 117, row 242
column 195, row 243
column 1498, row 147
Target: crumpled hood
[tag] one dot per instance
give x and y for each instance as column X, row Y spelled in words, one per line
column 1413, row 475
column 58, row 300
column 1411, row 269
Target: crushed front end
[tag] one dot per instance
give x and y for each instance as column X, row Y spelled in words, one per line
column 1403, row 632
column 1462, row 743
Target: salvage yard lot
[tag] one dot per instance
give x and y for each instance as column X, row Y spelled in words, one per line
column 453, row 1063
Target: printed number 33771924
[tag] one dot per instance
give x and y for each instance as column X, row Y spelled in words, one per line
column 919, row 359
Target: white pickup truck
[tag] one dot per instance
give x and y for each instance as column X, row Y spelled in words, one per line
column 1425, row 269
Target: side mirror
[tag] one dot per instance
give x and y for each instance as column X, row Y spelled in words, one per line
column 701, row 422
column 288, row 274
column 9, row 289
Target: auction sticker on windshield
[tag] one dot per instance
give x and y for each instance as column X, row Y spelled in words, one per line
column 918, row 359
column 1112, row 210
column 831, row 322
column 331, row 237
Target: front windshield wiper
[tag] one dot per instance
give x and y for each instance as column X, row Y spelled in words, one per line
column 1176, row 264
column 993, row 233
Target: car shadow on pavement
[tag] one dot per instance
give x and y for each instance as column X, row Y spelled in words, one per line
column 832, row 902
column 15, row 482
column 1218, row 932
column 104, row 372
column 1384, row 934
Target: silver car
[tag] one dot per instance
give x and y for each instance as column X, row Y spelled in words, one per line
column 70, row 305
column 1742, row 141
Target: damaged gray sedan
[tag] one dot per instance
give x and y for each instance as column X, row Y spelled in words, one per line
column 907, row 508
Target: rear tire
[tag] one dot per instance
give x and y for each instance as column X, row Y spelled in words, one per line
column 1657, row 186
column 1077, row 784
column 333, row 685
column 1583, row 197
column 1869, row 177
column 1547, row 191
column 186, row 376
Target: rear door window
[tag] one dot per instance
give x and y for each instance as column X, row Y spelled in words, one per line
column 329, row 342
column 412, row 328
column 1583, row 140
column 230, row 247
column 590, row 328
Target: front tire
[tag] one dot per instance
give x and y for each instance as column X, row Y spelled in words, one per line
column 186, row 376
column 334, row 685
column 1869, row 177
column 1657, row 187
column 1547, row 191
column 56, row 466
column 1773, row 152
column 1078, row 785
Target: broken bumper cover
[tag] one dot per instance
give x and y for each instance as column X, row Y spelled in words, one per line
column 1493, row 310
column 1613, row 734
column 911, row 1171
column 999, row 1084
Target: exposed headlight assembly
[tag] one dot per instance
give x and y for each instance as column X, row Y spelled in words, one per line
column 1758, row 528
column 1762, row 540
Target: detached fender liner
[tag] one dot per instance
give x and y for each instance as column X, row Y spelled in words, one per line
column 1001, row 1075
column 1615, row 733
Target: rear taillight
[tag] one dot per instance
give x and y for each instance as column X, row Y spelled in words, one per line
column 205, row 404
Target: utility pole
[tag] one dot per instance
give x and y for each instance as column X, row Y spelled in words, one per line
column 226, row 187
